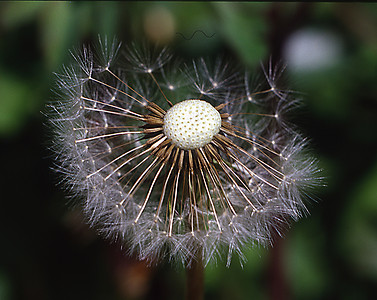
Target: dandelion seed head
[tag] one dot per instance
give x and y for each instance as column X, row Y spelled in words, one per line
column 215, row 171
column 191, row 124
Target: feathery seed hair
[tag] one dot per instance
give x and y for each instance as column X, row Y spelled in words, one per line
column 180, row 162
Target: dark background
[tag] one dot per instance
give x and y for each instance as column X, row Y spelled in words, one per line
column 46, row 251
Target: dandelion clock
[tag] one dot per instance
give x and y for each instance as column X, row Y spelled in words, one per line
column 188, row 163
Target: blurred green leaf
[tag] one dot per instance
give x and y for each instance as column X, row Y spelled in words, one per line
column 196, row 28
column 108, row 16
column 306, row 261
column 326, row 91
column 245, row 32
column 14, row 13
column 62, row 25
column 358, row 228
column 17, row 101
column 56, row 27
column 227, row 282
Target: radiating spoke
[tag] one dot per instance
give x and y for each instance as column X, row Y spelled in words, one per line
column 113, row 106
column 108, row 135
column 114, row 113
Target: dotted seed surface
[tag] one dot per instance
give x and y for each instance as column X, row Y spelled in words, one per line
column 191, row 124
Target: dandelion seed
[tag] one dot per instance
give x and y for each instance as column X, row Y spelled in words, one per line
column 176, row 170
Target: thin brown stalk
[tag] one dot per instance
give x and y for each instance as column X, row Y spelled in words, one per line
column 195, row 280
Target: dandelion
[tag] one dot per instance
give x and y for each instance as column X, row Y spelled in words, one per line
column 187, row 162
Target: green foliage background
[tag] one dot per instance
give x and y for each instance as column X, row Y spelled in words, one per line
column 48, row 253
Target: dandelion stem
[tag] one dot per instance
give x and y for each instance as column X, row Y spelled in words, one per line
column 195, row 279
